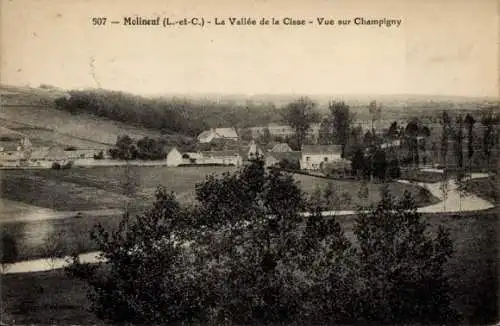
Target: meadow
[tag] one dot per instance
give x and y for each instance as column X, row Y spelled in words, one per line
column 111, row 187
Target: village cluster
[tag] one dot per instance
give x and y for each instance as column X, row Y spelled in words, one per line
column 236, row 151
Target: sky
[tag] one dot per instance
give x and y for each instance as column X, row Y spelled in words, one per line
column 442, row 47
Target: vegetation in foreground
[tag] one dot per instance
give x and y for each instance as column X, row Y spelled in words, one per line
column 253, row 259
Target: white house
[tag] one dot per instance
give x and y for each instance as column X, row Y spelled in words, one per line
column 221, row 157
column 174, row 157
column 218, row 133
column 315, row 156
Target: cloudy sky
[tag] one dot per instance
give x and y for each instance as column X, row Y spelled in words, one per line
column 447, row 47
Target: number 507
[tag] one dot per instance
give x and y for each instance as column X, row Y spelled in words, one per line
column 98, row 21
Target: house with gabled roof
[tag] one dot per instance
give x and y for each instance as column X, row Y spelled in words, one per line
column 314, row 157
column 228, row 157
column 218, row 133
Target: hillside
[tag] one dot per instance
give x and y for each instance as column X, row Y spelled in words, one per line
column 31, row 112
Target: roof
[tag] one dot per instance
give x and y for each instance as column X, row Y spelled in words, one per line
column 39, row 153
column 289, row 156
column 321, row 149
column 205, row 134
column 219, row 133
column 9, row 146
column 10, row 134
column 226, row 132
column 281, row 147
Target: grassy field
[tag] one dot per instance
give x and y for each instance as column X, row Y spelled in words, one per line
column 109, row 187
column 105, row 188
column 485, row 188
column 51, row 297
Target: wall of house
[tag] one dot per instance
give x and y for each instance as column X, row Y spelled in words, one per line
column 225, row 160
column 313, row 161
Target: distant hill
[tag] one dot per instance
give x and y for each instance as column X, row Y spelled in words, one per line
column 31, row 112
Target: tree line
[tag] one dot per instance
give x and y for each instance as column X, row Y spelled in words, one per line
column 188, row 117
column 244, row 254
column 145, row 148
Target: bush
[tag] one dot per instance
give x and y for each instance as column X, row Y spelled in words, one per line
column 56, row 166
column 67, row 165
column 8, row 250
column 289, row 164
column 99, row 156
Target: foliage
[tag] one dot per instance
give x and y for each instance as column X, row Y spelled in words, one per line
column 143, row 149
column 145, row 279
column 341, row 119
column 299, row 115
column 150, row 113
column 8, row 250
column 459, row 137
column 399, row 263
column 247, row 255
column 289, row 164
column 99, row 155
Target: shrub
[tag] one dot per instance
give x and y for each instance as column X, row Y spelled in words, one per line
column 67, row 165
column 8, row 250
column 56, row 166
column 400, row 266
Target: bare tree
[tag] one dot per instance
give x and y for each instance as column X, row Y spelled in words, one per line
column 54, row 247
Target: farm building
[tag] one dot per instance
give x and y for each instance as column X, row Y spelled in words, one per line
column 221, row 157
column 315, row 156
column 218, row 133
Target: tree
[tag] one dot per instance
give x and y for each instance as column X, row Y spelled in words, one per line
column 375, row 113
column 380, row 164
column 300, row 114
column 8, row 251
column 412, row 132
column 401, row 267
column 393, row 132
column 357, row 161
column 245, row 134
column 446, row 124
column 341, row 119
column 488, row 120
column 144, row 280
column 393, row 169
column 54, row 247
column 469, row 122
column 124, row 149
column 325, row 132
column 459, row 137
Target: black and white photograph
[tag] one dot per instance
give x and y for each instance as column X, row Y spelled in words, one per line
column 260, row 162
